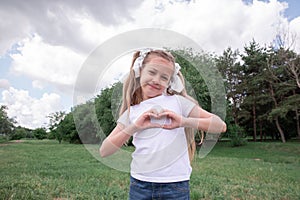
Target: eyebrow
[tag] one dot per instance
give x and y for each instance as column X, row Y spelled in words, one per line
column 164, row 74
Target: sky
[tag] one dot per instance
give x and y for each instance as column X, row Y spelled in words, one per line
column 43, row 44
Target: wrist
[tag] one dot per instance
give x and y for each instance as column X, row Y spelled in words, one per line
column 184, row 122
column 131, row 129
column 189, row 122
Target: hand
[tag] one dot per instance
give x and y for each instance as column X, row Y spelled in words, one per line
column 175, row 119
column 144, row 121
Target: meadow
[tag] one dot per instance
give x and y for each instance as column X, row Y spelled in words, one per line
column 32, row 169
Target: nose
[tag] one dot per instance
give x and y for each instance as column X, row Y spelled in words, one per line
column 156, row 79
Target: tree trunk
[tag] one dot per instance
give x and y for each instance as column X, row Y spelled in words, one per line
column 298, row 123
column 280, row 130
column 260, row 131
column 235, row 112
column 297, row 118
column 254, row 122
column 276, row 118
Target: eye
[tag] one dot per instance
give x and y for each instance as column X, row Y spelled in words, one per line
column 165, row 78
column 151, row 72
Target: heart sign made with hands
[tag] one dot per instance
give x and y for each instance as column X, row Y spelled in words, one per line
column 163, row 120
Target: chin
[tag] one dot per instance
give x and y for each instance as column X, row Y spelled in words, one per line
column 149, row 96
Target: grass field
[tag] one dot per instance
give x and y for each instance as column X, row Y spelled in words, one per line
column 47, row 170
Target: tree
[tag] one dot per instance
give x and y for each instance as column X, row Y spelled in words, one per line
column 40, row 133
column 6, row 123
column 293, row 69
column 55, row 119
column 195, row 84
column 20, row 132
column 67, row 129
column 104, row 111
column 284, row 87
column 254, row 85
column 87, row 125
column 232, row 72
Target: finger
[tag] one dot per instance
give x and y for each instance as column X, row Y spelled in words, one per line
column 164, row 112
column 152, row 115
column 166, row 126
column 154, row 111
column 167, row 114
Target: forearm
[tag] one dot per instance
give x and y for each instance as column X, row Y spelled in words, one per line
column 116, row 140
column 112, row 144
column 213, row 124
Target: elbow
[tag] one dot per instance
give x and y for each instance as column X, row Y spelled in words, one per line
column 107, row 148
column 216, row 125
column 102, row 152
column 224, row 128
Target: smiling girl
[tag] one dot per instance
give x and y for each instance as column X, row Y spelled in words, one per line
column 157, row 112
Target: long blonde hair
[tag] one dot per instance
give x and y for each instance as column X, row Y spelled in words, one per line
column 132, row 93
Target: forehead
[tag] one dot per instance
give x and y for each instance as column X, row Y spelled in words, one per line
column 160, row 63
column 158, row 60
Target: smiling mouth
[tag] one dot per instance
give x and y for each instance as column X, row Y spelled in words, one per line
column 154, row 86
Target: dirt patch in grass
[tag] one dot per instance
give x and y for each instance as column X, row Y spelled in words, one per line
column 11, row 142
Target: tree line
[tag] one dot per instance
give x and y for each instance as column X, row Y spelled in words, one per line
column 262, row 94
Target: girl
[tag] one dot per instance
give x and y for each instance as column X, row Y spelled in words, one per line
column 159, row 114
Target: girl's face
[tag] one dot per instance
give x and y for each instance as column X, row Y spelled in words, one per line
column 155, row 76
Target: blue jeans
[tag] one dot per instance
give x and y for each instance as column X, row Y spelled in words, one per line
column 141, row 190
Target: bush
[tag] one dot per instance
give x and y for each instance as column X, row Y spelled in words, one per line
column 18, row 134
column 51, row 135
column 237, row 135
column 3, row 138
column 40, row 133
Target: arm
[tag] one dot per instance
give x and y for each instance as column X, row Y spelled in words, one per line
column 122, row 133
column 198, row 118
column 202, row 120
column 116, row 139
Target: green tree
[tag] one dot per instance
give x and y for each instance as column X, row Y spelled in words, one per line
column 232, row 72
column 104, row 108
column 6, row 123
column 19, row 133
column 67, row 129
column 195, row 84
column 55, row 119
column 87, row 125
column 40, row 133
column 203, row 82
column 284, row 88
column 254, row 85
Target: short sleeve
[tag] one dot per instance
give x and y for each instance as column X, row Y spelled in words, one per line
column 124, row 118
column 186, row 105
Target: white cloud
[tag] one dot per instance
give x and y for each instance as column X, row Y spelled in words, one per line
column 115, row 71
column 28, row 111
column 79, row 26
column 37, row 84
column 53, row 20
column 4, row 84
column 55, row 65
column 295, row 33
column 216, row 25
column 13, row 27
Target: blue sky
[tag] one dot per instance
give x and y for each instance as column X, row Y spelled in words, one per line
column 42, row 47
column 293, row 9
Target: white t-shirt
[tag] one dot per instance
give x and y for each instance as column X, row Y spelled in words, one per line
column 160, row 155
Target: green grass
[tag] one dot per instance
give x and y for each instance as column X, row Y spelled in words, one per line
column 48, row 170
column 254, row 171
